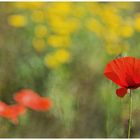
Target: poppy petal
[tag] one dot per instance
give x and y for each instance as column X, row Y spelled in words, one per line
column 32, row 100
column 43, row 104
column 124, row 71
column 113, row 73
column 121, row 92
column 3, row 107
column 16, row 111
column 26, row 97
column 11, row 112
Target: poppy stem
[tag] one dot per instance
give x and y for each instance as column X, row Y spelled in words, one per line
column 130, row 115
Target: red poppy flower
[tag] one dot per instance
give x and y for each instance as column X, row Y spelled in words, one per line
column 11, row 112
column 32, row 100
column 15, row 111
column 125, row 72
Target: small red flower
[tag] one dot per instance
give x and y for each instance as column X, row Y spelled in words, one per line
column 16, row 110
column 11, row 112
column 32, row 100
column 125, row 72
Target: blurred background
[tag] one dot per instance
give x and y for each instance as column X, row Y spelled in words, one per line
column 60, row 50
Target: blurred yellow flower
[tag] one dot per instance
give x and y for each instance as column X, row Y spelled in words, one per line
column 127, row 31
column 137, row 23
column 56, row 21
column 54, row 60
column 112, row 18
column 51, row 62
column 63, row 56
column 38, row 44
column 94, row 26
column 59, row 41
column 61, row 9
column 40, row 31
column 17, row 20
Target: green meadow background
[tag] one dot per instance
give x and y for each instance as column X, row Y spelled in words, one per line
column 60, row 50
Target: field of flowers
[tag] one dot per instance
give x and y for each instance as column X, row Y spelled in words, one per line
column 60, row 50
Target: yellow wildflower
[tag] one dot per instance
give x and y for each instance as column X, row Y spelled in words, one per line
column 127, row 31
column 60, row 9
column 39, row 44
column 51, row 62
column 40, row 31
column 94, row 26
column 137, row 22
column 59, row 41
column 111, row 19
column 54, row 60
column 63, row 56
column 17, row 20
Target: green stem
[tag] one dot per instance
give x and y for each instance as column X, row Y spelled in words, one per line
column 130, row 115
